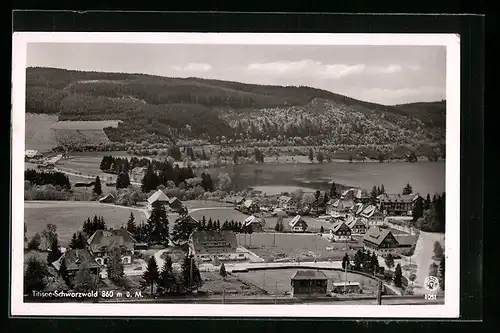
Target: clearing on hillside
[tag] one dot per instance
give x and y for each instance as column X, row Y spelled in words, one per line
column 82, row 132
column 38, row 132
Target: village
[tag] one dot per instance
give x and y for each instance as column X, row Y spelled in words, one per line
column 349, row 245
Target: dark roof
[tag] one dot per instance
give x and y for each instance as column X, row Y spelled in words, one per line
column 111, row 237
column 309, row 275
column 405, row 240
column 337, row 225
column 199, row 238
column 74, row 258
column 376, row 235
column 405, row 198
column 174, row 200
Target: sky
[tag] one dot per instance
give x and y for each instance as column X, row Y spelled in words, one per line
column 381, row 74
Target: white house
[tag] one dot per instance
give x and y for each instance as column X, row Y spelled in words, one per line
column 371, row 216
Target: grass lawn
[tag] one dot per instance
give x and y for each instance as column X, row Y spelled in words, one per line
column 304, row 247
column 86, row 165
column 69, row 217
column 213, row 283
column 277, row 281
column 219, row 214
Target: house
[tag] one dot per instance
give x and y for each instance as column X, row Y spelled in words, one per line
column 355, row 194
column 397, row 204
column 380, row 241
column 309, row 284
column 357, row 226
column 342, row 205
column 210, row 244
column 297, row 224
column 234, row 200
column 102, row 240
column 175, row 204
column 31, row 153
column 346, row 287
column 160, row 197
column 283, row 201
column 109, row 198
column 358, row 208
column 371, row 215
column 74, row 258
column 249, row 207
column 340, row 232
column 257, row 223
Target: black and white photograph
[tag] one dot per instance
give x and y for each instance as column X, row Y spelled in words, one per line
column 236, row 174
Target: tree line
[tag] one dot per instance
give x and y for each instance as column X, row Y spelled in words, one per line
column 36, row 177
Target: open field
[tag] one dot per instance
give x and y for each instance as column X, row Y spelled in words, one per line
column 277, row 281
column 85, row 165
column 214, row 284
column 303, row 247
column 69, row 216
column 39, row 134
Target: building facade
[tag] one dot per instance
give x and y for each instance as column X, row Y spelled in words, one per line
column 380, row 241
column 210, row 244
column 397, row 204
column 309, row 284
column 102, row 240
column 297, row 224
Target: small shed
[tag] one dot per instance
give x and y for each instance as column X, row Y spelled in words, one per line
column 108, row 198
column 309, row 284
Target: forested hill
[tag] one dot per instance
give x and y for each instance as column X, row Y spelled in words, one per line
column 431, row 113
column 159, row 109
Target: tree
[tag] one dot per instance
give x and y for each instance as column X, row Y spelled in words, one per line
column 73, row 242
column 81, row 240
column 150, row 180
column 374, row 263
column 345, row 261
column 97, row 186
column 382, row 189
column 325, row 199
column 389, row 261
column 320, row 157
column 115, row 264
column 428, row 222
column 223, row 182
column 407, row 189
column 398, row 276
column 55, row 251
column 317, row 194
column 34, row 243
column 333, row 191
column 418, row 209
column 374, row 194
column 438, row 251
column 222, row 271
column 322, row 230
column 158, row 224
column 433, row 269
column 311, row 155
column 191, row 278
column 358, row 260
column 123, row 180
column 427, row 203
column 182, row 229
column 131, row 227
column 63, row 271
column 85, row 280
column 168, row 282
column 441, row 272
column 151, row 276
column 34, row 275
column 49, row 234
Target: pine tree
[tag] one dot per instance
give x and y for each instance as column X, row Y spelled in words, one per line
column 115, row 264
column 374, row 194
column 438, row 251
column 34, row 243
column 97, row 186
column 333, row 191
column 167, row 280
column 55, row 251
column 358, row 260
column 131, row 227
column 74, row 242
column 182, row 229
column 311, row 155
column 81, row 241
column 441, row 272
column 210, row 225
column 151, row 276
column 374, row 263
column 63, row 271
column 222, row 271
column 84, row 280
column 418, row 209
column 427, row 204
column 322, row 230
column 123, row 180
column 433, row 269
column 150, row 180
column 158, row 224
column 398, row 276
column 382, row 189
column 191, row 278
column 407, row 189
column 389, row 261
column 345, row 261
column 34, row 276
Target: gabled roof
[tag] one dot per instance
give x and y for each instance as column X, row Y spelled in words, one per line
column 173, row 200
column 337, row 225
column 309, row 275
column 158, row 196
column 248, row 203
column 199, row 239
column 119, row 237
column 355, row 223
column 296, row 220
column 107, row 197
column 284, row 199
column 405, row 198
column 343, row 204
column 358, row 208
column 370, row 211
column 376, row 235
column 74, row 258
column 252, row 219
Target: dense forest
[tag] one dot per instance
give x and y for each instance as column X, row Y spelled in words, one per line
column 158, row 109
column 45, row 178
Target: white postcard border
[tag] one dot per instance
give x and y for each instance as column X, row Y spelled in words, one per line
column 452, row 245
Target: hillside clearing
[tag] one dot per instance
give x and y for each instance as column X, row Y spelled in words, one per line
column 39, row 134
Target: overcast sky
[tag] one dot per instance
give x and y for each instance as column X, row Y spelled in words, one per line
column 381, row 74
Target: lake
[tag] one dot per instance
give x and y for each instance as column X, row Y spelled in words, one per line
column 424, row 177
